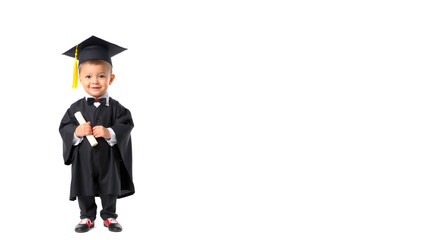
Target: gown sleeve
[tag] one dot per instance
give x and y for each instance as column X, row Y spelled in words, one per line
column 66, row 129
column 123, row 125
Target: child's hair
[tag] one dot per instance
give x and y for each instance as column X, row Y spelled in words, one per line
column 96, row 62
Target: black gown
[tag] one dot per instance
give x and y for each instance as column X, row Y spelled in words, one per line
column 101, row 169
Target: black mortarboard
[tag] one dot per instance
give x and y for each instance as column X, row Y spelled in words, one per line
column 92, row 48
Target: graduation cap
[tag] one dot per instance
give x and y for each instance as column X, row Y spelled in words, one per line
column 92, row 48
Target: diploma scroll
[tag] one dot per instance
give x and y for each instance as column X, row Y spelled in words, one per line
column 81, row 120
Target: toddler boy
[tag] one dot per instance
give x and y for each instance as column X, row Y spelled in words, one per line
column 104, row 170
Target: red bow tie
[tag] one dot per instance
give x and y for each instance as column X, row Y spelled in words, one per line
column 90, row 101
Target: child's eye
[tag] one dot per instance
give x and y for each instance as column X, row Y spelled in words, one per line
column 101, row 76
column 88, row 76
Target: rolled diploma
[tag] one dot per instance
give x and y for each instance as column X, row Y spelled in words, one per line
column 81, row 120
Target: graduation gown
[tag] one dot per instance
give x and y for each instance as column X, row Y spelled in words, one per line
column 101, row 169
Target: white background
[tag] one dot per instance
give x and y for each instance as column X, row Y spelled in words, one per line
column 253, row 119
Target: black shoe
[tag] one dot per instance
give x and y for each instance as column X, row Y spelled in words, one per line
column 84, row 225
column 112, row 225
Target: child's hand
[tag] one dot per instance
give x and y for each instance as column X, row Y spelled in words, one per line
column 101, row 131
column 83, row 130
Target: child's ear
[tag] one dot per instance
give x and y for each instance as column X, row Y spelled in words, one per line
column 111, row 79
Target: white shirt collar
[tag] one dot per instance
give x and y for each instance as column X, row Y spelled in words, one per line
column 106, row 95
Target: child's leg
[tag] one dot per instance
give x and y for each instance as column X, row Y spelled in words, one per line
column 88, row 207
column 108, row 206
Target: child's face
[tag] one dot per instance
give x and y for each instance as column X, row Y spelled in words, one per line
column 95, row 78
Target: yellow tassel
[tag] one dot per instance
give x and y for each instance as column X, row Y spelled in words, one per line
column 75, row 72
